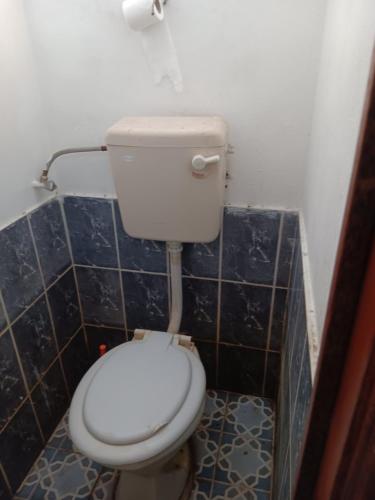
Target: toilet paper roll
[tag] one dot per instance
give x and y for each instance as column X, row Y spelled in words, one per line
column 141, row 14
column 147, row 17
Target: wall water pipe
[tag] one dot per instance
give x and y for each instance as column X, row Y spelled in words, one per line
column 44, row 182
column 174, row 249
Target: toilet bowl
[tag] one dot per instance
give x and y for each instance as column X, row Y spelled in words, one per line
column 135, row 409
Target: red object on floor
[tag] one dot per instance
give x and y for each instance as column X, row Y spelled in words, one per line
column 102, row 349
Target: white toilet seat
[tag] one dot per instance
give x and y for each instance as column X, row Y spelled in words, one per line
column 154, row 445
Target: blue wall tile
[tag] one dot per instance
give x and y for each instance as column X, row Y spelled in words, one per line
column 91, row 230
column 76, row 361
column 12, row 390
column 207, row 353
column 278, row 319
column 295, row 380
column 245, row 313
column 138, row 254
column 20, row 279
column 283, row 415
column 199, row 317
column 298, row 338
column 20, row 444
column 5, row 494
column 241, row 370
column 146, row 301
column 111, row 337
column 50, row 239
column 288, row 238
column 100, row 295
column 301, row 409
column 63, row 298
column 271, row 385
column 249, row 245
column 35, row 342
column 50, row 399
column 201, row 259
column 2, row 318
column 284, row 493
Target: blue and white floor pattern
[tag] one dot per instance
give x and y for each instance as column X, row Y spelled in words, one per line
column 233, row 448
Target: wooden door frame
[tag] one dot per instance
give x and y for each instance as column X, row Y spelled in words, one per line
column 315, row 471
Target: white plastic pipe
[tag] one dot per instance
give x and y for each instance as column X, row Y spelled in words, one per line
column 174, row 251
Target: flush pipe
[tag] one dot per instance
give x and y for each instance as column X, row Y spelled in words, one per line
column 174, row 249
column 44, row 182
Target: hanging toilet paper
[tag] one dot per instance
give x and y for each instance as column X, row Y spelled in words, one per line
column 147, row 17
column 141, row 14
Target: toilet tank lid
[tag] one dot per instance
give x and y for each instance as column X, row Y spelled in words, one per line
column 168, row 131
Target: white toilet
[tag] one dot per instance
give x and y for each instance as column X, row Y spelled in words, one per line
column 137, row 406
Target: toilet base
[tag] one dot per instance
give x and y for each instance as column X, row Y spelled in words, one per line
column 172, row 481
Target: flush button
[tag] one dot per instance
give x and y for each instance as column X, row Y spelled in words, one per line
column 200, row 162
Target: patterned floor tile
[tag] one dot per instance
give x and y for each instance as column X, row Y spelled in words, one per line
column 245, row 460
column 222, row 491
column 201, row 490
column 70, row 476
column 205, row 447
column 39, row 471
column 60, row 439
column 249, row 415
column 214, row 412
column 106, row 485
column 232, row 451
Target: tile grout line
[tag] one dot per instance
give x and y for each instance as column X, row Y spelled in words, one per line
column 49, row 309
column 55, row 358
column 123, row 269
column 58, row 355
column 218, row 316
column 27, row 397
column 293, row 288
column 26, row 309
column 68, row 240
column 5, row 477
column 270, row 320
column 119, row 270
column 274, row 447
column 185, row 276
column 24, row 379
column 29, row 390
column 289, row 465
column 286, row 355
column 294, row 403
column 34, row 487
column 202, row 340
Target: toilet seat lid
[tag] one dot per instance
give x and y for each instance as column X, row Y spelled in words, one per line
column 137, row 390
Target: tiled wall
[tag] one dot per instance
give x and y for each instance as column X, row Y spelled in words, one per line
column 40, row 338
column 63, row 295
column 295, row 385
column 234, row 288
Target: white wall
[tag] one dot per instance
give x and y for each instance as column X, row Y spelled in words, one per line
column 253, row 61
column 22, row 134
column 344, row 72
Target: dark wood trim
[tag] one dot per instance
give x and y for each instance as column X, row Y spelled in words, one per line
column 355, row 478
column 350, row 268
